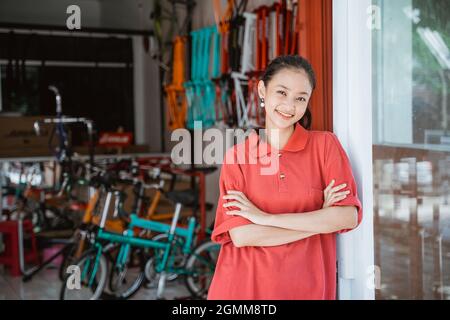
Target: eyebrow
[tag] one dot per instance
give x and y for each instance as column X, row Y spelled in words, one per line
column 284, row 87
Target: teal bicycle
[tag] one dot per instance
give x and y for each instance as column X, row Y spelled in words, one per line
column 137, row 259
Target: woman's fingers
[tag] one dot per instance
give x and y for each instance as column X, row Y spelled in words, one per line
column 239, row 193
column 236, row 213
column 237, row 204
column 339, row 187
column 339, row 194
column 329, row 186
column 337, row 199
column 237, row 197
column 334, row 197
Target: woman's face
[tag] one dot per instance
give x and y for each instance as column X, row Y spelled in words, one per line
column 286, row 97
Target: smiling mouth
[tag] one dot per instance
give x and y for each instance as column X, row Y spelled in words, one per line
column 285, row 115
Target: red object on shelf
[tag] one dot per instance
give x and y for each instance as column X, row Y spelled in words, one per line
column 115, row 139
column 10, row 257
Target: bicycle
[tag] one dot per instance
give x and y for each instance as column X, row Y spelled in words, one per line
column 93, row 265
column 83, row 234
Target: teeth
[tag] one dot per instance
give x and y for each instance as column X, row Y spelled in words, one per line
column 285, row 114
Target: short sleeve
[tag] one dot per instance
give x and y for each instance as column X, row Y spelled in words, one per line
column 231, row 178
column 337, row 167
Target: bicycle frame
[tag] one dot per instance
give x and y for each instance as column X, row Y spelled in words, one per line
column 128, row 240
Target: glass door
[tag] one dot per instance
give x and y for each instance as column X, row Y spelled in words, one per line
column 411, row 148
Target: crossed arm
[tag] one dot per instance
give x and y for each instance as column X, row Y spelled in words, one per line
column 279, row 229
column 254, row 235
column 275, row 230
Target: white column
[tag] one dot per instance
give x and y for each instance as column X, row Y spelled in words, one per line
column 352, row 120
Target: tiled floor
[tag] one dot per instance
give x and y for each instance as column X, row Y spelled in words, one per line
column 46, row 286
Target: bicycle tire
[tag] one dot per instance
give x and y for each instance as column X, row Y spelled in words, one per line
column 136, row 284
column 67, row 260
column 209, row 252
column 69, row 256
column 178, row 255
column 99, row 285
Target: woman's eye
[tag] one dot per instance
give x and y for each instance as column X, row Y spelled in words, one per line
column 281, row 92
column 301, row 99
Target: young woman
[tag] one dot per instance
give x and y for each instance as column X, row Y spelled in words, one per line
column 278, row 229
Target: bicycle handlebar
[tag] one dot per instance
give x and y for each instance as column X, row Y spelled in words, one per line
column 64, row 120
column 58, row 99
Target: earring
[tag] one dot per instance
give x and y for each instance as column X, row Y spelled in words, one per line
column 262, row 103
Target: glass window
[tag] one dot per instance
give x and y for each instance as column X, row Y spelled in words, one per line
column 411, row 149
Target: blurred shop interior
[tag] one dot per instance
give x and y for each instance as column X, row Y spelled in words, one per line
column 86, row 117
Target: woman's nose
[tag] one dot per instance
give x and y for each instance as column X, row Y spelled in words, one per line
column 290, row 106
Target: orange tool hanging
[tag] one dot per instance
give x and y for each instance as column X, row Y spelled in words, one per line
column 223, row 26
column 175, row 92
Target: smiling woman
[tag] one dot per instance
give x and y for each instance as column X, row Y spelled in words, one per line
column 278, row 235
column 296, row 82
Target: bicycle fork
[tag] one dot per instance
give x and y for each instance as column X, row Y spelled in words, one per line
column 163, row 276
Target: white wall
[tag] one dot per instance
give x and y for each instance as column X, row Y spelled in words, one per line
column 352, row 123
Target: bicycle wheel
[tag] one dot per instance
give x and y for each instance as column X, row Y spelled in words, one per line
column 88, row 278
column 176, row 260
column 200, row 268
column 125, row 281
column 68, row 259
column 73, row 253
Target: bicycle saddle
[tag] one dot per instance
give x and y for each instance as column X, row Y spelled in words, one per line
column 185, row 197
column 107, row 179
column 188, row 198
column 205, row 170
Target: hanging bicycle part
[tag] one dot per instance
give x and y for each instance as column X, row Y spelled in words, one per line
column 175, row 92
column 166, row 26
column 200, row 90
column 223, row 26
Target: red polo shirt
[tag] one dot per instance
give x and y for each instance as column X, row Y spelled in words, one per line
column 304, row 269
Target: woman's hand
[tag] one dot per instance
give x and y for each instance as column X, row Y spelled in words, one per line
column 331, row 194
column 247, row 209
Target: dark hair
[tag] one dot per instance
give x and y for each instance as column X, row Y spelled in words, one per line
column 292, row 62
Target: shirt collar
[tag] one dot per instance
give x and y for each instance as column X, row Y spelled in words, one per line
column 297, row 142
